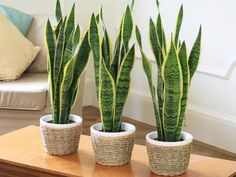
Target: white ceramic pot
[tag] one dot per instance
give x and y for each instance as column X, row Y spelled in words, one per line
column 169, row 158
column 113, row 149
column 60, row 139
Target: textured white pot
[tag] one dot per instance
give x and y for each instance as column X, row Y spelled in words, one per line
column 113, row 149
column 60, row 139
column 169, row 158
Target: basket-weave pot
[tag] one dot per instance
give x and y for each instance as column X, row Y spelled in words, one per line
column 113, row 149
column 60, row 139
column 169, row 158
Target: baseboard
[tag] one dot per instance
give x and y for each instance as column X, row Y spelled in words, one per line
column 208, row 127
column 212, row 128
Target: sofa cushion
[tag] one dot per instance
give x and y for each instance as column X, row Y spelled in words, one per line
column 16, row 51
column 21, row 20
column 27, row 93
column 36, row 36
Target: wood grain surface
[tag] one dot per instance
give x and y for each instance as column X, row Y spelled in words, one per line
column 22, row 154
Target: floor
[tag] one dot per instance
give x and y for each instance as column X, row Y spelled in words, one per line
column 91, row 116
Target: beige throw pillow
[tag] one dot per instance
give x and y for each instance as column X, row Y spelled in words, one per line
column 16, row 51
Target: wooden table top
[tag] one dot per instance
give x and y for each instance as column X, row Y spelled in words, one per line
column 23, row 148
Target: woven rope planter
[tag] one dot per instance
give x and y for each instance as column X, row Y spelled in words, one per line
column 113, row 149
column 169, row 159
column 60, row 139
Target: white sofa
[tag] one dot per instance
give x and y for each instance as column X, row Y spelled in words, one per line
column 23, row 101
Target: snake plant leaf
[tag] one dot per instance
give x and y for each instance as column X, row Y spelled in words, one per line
column 127, row 28
column 64, row 92
column 58, row 11
column 59, row 51
column 147, row 66
column 132, row 5
column 160, row 90
column 157, row 50
column 76, row 38
column 81, row 60
column 138, row 36
column 106, row 49
column 173, row 81
column 94, row 39
column 122, row 88
column 161, row 34
column 68, row 51
column 107, row 92
column 75, row 95
column 116, row 57
column 101, row 14
column 70, row 82
column 195, row 54
column 98, row 18
column 186, row 82
column 70, row 23
column 58, row 28
column 159, row 29
column 57, row 68
column 154, row 42
column 50, row 41
column 158, row 4
column 178, row 25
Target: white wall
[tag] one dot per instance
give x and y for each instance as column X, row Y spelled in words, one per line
column 212, row 113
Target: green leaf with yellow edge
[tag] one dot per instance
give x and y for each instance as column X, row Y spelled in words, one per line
column 72, row 73
column 107, row 93
column 106, row 49
column 173, row 91
column 186, row 82
column 138, row 36
column 58, row 60
column 147, row 66
column 50, row 41
column 195, row 54
column 58, row 28
column 58, row 12
column 178, row 25
column 127, row 28
column 94, row 40
column 122, row 87
column 155, row 42
column 70, row 24
column 76, row 38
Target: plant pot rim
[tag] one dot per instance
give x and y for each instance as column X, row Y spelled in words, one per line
column 44, row 121
column 127, row 127
column 187, row 139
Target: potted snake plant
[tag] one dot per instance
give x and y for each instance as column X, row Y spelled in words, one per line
column 169, row 148
column 112, row 139
column 68, row 55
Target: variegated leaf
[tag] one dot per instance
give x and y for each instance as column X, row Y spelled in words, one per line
column 94, row 41
column 195, row 54
column 107, row 93
column 186, row 81
column 173, row 81
column 58, row 11
column 178, row 25
column 122, row 88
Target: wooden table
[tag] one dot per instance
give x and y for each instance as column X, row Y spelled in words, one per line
column 21, row 154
